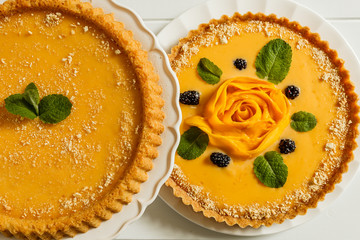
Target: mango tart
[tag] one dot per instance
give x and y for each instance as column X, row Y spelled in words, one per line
column 61, row 179
column 302, row 124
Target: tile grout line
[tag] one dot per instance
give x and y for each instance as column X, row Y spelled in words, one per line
column 343, row 18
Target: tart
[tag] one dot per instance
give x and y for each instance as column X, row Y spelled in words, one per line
column 238, row 118
column 61, row 179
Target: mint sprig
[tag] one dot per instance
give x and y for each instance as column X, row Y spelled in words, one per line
column 208, row 71
column 271, row 170
column 303, row 121
column 193, row 143
column 51, row 109
column 273, row 61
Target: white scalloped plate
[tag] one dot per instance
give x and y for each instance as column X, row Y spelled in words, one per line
column 164, row 163
column 178, row 28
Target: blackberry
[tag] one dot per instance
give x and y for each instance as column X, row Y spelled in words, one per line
column 240, row 63
column 286, row 146
column 292, row 92
column 190, row 97
column 220, row 159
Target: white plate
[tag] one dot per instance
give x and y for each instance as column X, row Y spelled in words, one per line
column 178, row 28
column 164, row 163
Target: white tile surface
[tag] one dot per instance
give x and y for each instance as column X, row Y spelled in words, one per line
column 169, row 9
column 340, row 221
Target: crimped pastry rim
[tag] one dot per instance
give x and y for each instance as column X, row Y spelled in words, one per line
column 69, row 226
column 351, row 144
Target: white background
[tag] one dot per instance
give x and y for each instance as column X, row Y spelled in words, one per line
column 340, row 221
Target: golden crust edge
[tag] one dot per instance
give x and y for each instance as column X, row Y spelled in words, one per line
column 153, row 117
column 350, row 145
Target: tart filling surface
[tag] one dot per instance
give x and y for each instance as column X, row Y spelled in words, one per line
column 245, row 117
column 60, row 179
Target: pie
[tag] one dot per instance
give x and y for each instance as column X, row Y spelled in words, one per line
column 61, row 179
column 249, row 118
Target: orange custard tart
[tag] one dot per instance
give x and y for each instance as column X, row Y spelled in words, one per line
column 269, row 120
column 57, row 180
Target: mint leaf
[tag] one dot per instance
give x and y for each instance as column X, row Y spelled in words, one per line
column 208, row 71
column 54, row 108
column 271, row 170
column 31, row 95
column 303, row 121
column 273, row 61
column 16, row 104
column 193, row 143
column 25, row 105
column 51, row 109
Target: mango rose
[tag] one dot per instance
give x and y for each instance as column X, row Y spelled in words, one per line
column 244, row 116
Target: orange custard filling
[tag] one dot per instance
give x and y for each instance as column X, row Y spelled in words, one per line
column 54, row 170
column 237, row 184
